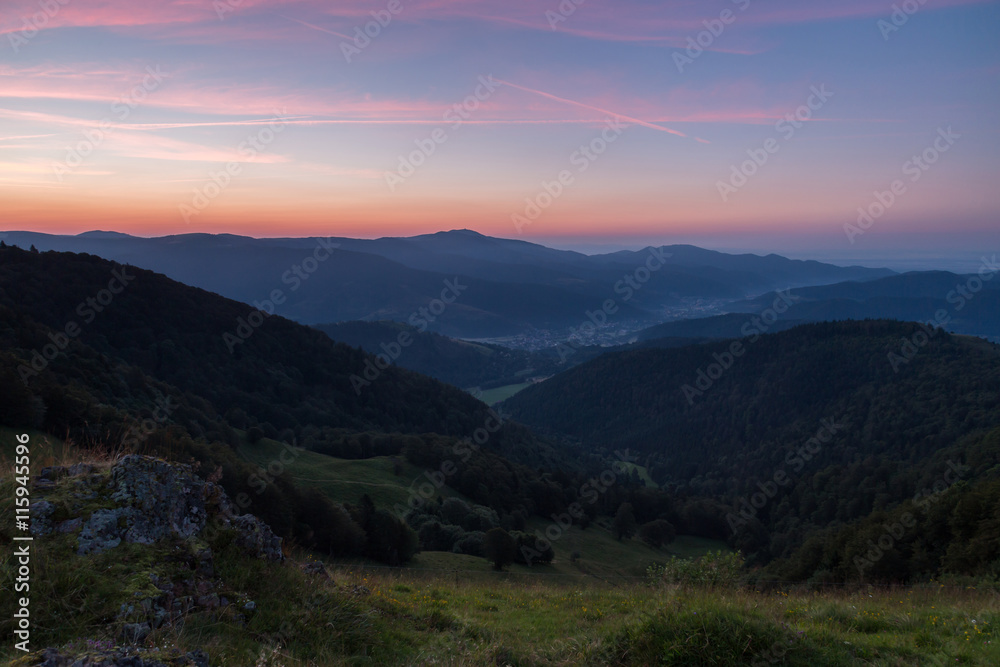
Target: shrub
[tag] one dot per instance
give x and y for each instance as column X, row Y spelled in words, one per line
column 711, row 570
column 499, row 547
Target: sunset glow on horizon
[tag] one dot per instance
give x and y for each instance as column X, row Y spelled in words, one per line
column 580, row 121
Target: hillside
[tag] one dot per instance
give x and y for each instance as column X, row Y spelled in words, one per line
column 730, row 325
column 457, row 362
column 967, row 304
column 506, row 287
column 152, row 373
column 143, row 563
column 209, row 595
column 138, row 370
column 285, row 375
column 822, row 407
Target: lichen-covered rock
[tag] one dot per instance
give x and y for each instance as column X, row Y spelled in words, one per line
column 152, row 500
column 41, row 517
column 70, row 525
column 166, row 499
column 256, row 538
column 145, row 500
column 101, row 532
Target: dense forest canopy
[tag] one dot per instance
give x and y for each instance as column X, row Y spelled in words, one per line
column 799, row 449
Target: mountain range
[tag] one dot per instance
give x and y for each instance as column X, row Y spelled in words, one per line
column 835, row 426
column 459, row 283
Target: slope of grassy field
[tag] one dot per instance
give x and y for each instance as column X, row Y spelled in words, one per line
column 344, row 480
column 503, row 618
column 474, row 616
column 452, row 609
column 494, row 396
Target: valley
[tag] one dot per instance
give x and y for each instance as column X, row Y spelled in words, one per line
column 455, row 493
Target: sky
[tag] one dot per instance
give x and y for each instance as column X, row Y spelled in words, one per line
column 859, row 130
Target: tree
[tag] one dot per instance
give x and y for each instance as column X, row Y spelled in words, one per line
column 499, row 547
column 625, row 524
column 390, row 540
column 657, row 533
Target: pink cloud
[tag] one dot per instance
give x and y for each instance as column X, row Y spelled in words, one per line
column 623, row 20
column 594, row 108
column 535, row 101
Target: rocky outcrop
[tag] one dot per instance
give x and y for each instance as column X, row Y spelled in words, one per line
column 147, row 501
column 144, row 501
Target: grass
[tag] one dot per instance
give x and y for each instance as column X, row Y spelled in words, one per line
column 424, row 615
column 345, row 480
column 497, row 394
column 45, row 450
column 536, row 621
column 451, row 609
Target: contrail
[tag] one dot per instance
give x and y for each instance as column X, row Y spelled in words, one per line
column 305, row 120
column 316, row 27
column 637, row 121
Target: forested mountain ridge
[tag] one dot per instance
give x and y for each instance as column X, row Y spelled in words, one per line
column 844, row 422
column 853, row 417
column 287, row 375
column 961, row 303
column 104, row 354
column 655, row 400
column 461, row 363
column 970, row 305
column 508, row 286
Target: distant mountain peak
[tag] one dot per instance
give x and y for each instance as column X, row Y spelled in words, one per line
column 101, row 234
